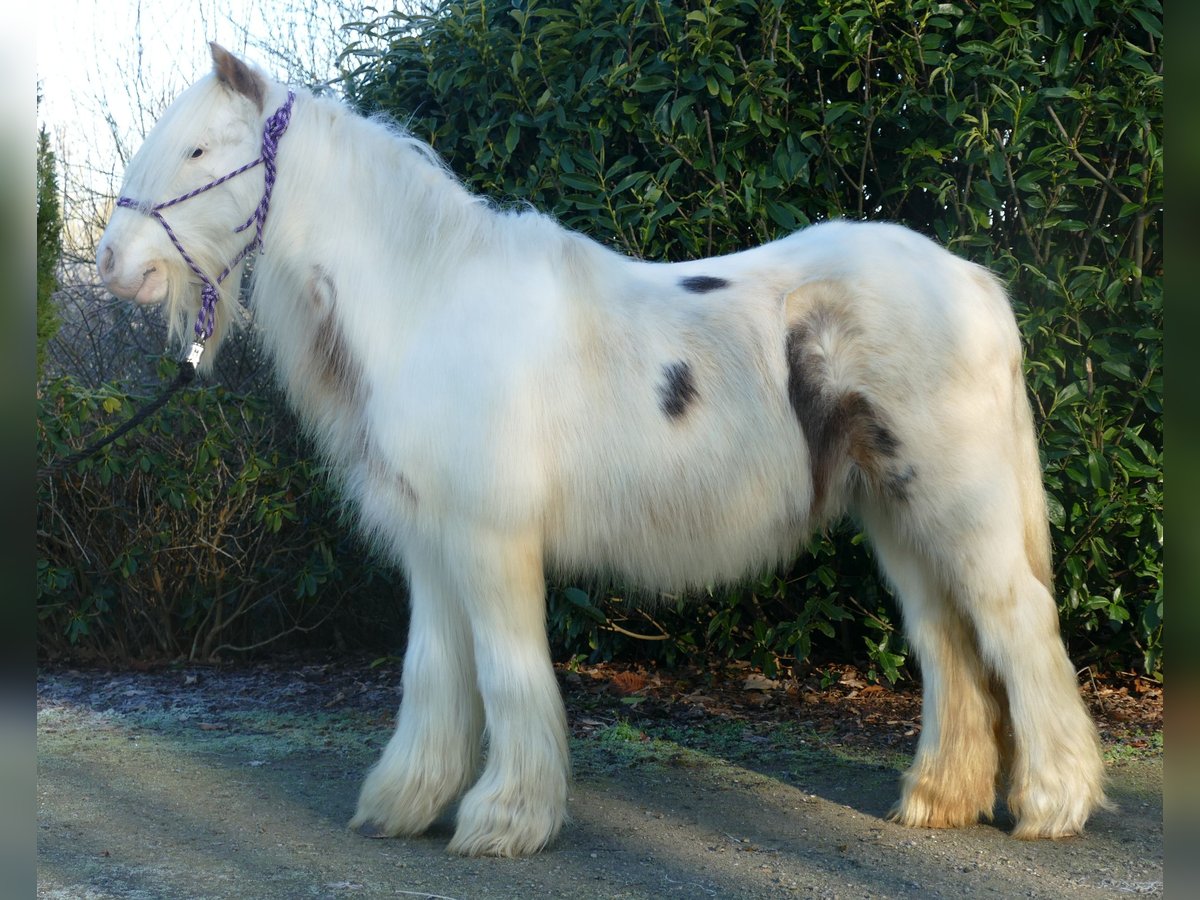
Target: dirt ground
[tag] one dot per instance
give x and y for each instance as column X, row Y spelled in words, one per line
column 214, row 782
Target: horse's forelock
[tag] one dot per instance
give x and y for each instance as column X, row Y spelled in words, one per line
column 151, row 174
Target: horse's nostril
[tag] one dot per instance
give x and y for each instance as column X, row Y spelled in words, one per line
column 108, row 261
column 150, row 271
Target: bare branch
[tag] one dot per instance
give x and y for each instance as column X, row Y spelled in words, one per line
column 1073, row 147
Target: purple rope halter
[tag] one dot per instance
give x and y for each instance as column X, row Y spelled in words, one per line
column 274, row 129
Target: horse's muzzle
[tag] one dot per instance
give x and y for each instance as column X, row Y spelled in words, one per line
column 145, row 283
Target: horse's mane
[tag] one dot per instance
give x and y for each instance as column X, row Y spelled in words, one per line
column 417, row 201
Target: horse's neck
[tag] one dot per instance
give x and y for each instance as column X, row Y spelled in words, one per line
column 371, row 226
column 365, row 241
column 354, row 195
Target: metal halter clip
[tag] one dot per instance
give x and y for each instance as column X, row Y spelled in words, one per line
column 194, row 354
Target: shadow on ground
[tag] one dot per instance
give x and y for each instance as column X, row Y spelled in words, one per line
column 188, row 784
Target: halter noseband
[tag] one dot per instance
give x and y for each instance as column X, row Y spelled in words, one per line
column 275, row 126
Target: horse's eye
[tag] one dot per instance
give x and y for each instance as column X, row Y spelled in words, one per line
column 197, row 153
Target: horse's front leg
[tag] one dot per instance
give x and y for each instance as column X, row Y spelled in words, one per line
column 434, row 753
column 519, row 802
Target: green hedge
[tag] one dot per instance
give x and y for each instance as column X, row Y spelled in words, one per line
column 1025, row 136
column 207, row 534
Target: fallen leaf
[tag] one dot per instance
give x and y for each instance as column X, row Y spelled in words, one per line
column 758, row 682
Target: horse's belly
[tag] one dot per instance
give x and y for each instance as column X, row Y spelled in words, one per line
column 671, row 529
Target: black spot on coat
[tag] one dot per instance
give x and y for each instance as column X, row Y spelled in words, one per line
column 703, row 284
column 678, row 391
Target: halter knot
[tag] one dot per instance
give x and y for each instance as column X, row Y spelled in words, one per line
column 273, row 131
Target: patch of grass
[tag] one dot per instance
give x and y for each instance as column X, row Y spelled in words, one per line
column 255, row 734
column 1139, row 748
column 625, row 745
column 786, row 750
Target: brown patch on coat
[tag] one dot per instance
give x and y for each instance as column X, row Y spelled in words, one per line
column 337, row 371
column 380, row 474
column 844, row 430
column 236, row 75
column 389, row 478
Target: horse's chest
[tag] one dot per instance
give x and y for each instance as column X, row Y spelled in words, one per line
column 463, row 447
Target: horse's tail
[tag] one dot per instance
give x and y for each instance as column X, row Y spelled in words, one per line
column 1033, row 490
column 1024, row 447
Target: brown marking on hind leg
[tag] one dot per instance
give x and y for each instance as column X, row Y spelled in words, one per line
column 848, row 437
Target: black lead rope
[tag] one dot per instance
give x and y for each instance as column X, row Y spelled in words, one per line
column 187, row 372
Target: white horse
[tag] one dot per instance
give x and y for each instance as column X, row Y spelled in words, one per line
column 500, row 396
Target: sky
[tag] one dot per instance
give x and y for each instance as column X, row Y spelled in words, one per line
column 107, row 68
column 87, row 51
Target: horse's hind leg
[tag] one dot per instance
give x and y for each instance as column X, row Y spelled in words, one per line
column 519, row 802
column 985, row 628
column 434, row 753
column 1056, row 775
column 952, row 781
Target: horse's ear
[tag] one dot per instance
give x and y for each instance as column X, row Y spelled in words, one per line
column 236, row 75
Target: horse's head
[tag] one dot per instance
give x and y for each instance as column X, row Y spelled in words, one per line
column 210, row 130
